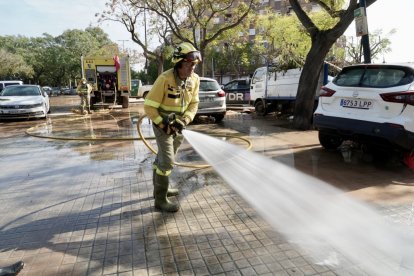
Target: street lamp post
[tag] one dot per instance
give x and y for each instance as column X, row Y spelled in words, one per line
column 145, row 38
column 365, row 37
column 123, row 44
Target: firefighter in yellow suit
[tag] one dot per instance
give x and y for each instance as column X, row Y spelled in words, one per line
column 172, row 104
column 84, row 90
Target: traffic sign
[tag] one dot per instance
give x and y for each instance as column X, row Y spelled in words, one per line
column 361, row 24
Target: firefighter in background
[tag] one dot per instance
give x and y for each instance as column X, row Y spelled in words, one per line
column 84, row 90
column 172, row 104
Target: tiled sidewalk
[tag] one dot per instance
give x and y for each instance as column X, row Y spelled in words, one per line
column 87, row 217
column 82, row 208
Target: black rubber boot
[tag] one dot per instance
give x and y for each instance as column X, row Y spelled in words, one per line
column 160, row 192
column 170, row 192
column 12, row 270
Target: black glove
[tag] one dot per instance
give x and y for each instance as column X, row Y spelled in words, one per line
column 168, row 130
column 178, row 125
column 166, row 125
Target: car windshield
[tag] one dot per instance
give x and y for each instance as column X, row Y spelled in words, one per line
column 20, row 91
column 208, row 85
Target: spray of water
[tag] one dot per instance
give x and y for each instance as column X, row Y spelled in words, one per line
column 309, row 212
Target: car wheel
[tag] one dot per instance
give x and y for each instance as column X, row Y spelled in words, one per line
column 218, row 118
column 329, row 141
column 125, row 102
column 145, row 95
column 260, row 108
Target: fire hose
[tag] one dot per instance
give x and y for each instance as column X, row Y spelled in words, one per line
column 183, row 164
column 30, row 131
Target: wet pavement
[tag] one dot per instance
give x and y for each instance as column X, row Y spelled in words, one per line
column 76, row 197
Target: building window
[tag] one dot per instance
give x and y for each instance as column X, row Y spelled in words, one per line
column 278, row 5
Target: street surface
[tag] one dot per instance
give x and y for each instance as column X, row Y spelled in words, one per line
column 73, row 203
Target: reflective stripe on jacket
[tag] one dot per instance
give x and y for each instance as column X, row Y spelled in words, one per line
column 84, row 88
column 167, row 97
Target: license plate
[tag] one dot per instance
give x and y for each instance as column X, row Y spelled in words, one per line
column 207, row 99
column 17, row 111
column 356, row 103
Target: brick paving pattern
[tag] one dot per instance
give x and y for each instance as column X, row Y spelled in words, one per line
column 82, row 208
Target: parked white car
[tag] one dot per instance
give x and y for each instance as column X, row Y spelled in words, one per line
column 23, row 101
column 372, row 104
column 138, row 90
column 212, row 99
column 9, row 82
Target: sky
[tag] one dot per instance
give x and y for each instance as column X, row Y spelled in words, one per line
column 32, row 18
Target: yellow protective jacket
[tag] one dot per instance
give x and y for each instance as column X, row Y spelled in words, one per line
column 167, row 97
column 84, row 88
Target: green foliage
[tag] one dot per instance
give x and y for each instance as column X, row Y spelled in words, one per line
column 283, row 41
column 48, row 60
column 279, row 40
column 199, row 22
column 149, row 76
column 323, row 20
column 16, row 68
column 232, row 53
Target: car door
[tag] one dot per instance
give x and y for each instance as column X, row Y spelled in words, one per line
column 237, row 92
column 243, row 88
column 231, row 93
column 258, row 84
column 46, row 99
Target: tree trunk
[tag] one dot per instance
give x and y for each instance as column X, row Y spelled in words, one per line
column 160, row 62
column 322, row 41
column 308, row 83
column 200, row 69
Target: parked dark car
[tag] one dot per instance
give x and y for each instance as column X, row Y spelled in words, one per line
column 237, row 92
column 55, row 91
column 69, row 91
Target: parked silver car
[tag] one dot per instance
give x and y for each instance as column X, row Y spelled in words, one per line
column 212, row 99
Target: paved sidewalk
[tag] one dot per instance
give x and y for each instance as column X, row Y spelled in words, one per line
column 86, row 208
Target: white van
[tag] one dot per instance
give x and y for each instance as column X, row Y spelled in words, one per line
column 9, row 82
column 274, row 90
